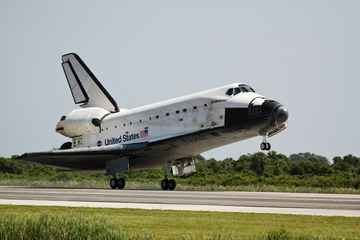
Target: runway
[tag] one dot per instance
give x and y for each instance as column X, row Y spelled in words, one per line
column 256, row 202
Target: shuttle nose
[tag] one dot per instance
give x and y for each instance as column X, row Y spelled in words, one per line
column 282, row 114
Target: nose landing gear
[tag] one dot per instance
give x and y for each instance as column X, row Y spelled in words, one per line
column 265, row 145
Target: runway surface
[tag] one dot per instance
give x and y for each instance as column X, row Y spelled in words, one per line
column 284, row 203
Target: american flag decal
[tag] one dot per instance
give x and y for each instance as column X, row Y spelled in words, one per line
column 144, row 133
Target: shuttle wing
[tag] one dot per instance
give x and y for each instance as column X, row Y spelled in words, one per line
column 143, row 155
column 84, row 86
column 82, row 158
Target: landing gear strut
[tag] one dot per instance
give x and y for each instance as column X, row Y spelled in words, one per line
column 166, row 183
column 117, row 183
column 265, row 145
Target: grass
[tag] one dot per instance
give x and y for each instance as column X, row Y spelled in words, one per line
column 155, row 185
column 31, row 222
column 62, row 226
column 75, row 184
column 270, row 188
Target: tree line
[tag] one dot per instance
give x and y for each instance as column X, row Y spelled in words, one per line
column 302, row 169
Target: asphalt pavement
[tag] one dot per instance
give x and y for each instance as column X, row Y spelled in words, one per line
column 257, row 202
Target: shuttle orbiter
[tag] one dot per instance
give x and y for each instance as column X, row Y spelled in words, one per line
column 170, row 134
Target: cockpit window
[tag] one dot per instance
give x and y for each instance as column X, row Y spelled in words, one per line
column 230, row 91
column 243, row 89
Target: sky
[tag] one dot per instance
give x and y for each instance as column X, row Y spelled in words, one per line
column 304, row 54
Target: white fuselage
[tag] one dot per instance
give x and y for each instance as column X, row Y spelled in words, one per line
column 169, row 134
column 182, row 127
column 167, row 119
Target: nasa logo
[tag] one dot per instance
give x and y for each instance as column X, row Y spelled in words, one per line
column 99, row 143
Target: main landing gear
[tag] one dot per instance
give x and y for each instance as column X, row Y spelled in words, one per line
column 117, row 183
column 265, row 145
column 166, row 183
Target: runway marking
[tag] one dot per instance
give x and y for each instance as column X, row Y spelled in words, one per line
column 212, row 208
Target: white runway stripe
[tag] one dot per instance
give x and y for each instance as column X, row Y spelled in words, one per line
column 298, row 211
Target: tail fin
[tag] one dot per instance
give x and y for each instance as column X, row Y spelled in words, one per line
column 84, row 86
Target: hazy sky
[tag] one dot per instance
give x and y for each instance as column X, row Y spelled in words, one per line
column 304, row 54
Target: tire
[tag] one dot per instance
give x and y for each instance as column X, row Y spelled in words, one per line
column 66, row 145
column 263, row 146
column 113, row 183
column 164, row 184
column 121, row 183
column 268, row 146
column 172, row 184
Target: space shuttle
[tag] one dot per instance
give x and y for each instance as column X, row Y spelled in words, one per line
column 171, row 134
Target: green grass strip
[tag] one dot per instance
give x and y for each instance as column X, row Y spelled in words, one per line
column 31, row 222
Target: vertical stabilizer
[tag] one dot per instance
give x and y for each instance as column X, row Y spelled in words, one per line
column 84, row 86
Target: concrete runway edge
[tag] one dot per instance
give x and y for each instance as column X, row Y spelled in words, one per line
column 212, row 208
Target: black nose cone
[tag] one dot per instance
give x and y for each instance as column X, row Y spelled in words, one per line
column 282, row 114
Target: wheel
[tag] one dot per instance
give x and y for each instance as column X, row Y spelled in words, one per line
column 268, row 146
column 172, row 184
column 165, row 184
column 66, row 145
column 113, row 183
column 120, row 183
column 263, row 146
